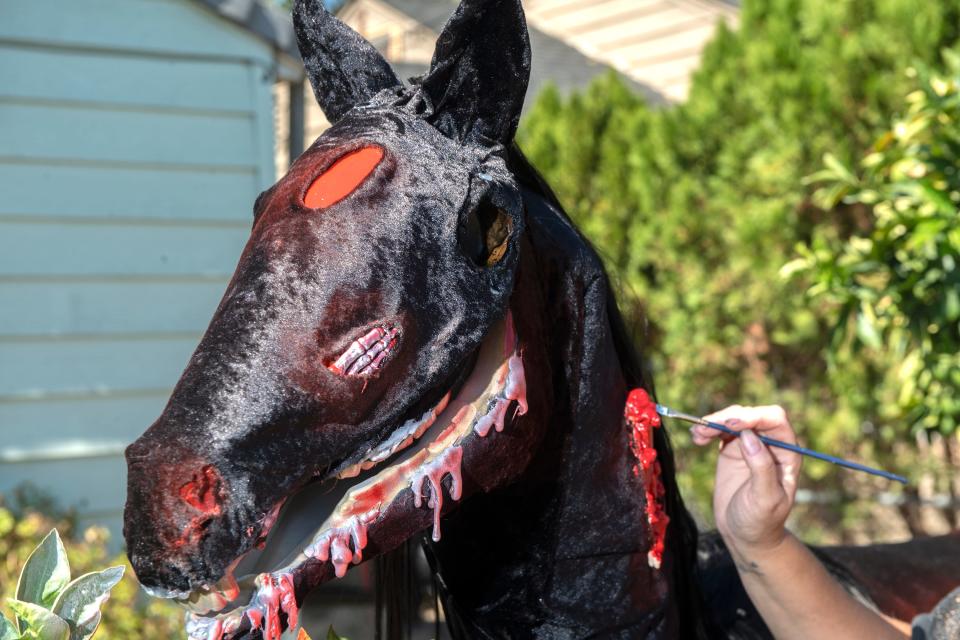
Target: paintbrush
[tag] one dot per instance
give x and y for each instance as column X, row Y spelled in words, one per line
column 667, row 412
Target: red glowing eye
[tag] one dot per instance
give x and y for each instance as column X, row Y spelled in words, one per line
column 342, row 178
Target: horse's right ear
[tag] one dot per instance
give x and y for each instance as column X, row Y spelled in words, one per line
column 344, row 69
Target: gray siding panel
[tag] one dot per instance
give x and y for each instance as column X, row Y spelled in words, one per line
column 61, row 249
column 34, row 369
column 134, row 137
column 107, row 308
column 174, row 28
column 194, row 194
column 124, row 80
column 64, row 133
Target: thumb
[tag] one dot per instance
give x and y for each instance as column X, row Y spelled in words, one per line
column 764, row 483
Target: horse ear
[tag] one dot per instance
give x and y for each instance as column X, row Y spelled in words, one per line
column 344, row 69
column 480, row 70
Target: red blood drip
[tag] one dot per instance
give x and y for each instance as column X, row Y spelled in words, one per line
column 255, row 618
column 342, row 177
column 642, row 418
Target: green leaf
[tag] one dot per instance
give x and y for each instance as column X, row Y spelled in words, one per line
column 39, row 623
column 867, row 331
column 840, row 171
column 952, row 305
column 7, row 630
column 80, row 601
column 332, row 635
column 45, row 573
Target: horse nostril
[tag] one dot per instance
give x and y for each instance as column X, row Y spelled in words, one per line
column 204, row 492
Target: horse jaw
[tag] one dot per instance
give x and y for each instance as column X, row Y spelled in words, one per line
column 421, row 458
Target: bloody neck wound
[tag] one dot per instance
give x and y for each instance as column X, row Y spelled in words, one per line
column 642, row 418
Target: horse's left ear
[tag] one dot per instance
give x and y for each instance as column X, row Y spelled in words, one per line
column 480, row 70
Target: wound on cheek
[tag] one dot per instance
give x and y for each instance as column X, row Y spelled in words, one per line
column 642, row 418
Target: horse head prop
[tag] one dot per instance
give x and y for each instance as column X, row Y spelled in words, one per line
column 416, row 329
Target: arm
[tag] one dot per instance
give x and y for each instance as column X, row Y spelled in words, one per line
column 754, row 492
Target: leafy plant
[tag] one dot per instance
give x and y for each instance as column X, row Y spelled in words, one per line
column 895, row 285
column 695, row 207
column 48, row 605
column 26, row 516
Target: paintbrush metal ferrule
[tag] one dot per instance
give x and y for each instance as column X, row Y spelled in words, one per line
column 667, row 412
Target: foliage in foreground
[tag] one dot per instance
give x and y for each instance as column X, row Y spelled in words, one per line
column 48, row 604
column 896, row 285
column 696, row 207
column 128, row 613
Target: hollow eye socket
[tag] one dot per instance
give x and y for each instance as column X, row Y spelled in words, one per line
column 483, row 235
column 342, row 177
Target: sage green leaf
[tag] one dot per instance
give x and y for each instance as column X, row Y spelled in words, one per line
column 39, row 623
column 89, row 628
column 80, row 601
column 45, row 573
column 7, row 630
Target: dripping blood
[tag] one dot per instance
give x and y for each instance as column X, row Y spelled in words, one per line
column 642, row 418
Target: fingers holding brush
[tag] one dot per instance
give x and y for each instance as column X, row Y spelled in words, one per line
column 770, row 421
column 755, row 484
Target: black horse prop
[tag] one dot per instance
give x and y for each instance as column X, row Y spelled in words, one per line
column 416, row 328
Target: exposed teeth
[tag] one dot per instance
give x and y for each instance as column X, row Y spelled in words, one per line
column 212, row 599
column 334, row 543
column 166, row 594
column 366, row 354
column 399, row 440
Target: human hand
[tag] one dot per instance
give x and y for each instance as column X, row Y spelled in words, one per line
column 755, row 485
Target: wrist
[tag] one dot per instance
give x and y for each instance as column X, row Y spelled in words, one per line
column 770, row 542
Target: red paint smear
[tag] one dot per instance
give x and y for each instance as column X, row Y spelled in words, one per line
column 642, row 418
column 369, row 499
column 342, row 178
column 203, row 493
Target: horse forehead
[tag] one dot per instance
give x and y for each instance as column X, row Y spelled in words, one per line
column 410, row 139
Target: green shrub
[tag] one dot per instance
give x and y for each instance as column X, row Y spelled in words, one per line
column 895, row 285
column 697, row 206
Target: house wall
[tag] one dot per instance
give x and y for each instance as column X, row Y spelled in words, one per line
column 399, row 37
column 134, row 137
column 655, row 42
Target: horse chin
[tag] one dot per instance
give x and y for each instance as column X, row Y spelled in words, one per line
column 421, row 457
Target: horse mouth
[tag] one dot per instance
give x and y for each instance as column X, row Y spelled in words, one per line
column 423, row 456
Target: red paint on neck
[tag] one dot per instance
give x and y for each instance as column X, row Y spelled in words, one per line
column 642, row 418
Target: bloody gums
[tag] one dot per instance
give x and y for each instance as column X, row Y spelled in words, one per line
column 642, row 418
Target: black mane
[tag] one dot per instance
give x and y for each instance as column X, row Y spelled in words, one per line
column 682, row 534
column 393, row 576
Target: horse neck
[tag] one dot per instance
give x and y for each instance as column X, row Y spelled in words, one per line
column 562, row 551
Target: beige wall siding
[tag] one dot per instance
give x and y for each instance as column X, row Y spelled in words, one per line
column 399, row 37
column 655, row 42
